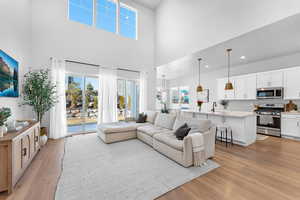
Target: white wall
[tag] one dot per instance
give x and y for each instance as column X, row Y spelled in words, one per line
column 208, row 80
column 15, row 39
column 187, row 26
column 56, row 36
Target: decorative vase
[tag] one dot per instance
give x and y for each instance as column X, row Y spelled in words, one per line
column 199, row 108
column 1, row 131
column 43, row 140
column 5, row 129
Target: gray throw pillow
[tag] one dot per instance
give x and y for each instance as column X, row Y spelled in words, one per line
column 142, row 118
column 182, row 131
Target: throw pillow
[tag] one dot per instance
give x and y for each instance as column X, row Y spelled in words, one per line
column 142, row 118
column 182, row 131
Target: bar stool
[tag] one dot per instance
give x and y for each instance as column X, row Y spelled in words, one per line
column 224, row 129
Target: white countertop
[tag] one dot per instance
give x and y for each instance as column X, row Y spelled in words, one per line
column 223, row 113
column 291, row 113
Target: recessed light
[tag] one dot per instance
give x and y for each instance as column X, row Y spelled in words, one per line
column 206, row 66
column 243, row 57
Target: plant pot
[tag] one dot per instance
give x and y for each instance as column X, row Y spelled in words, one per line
column 43, row 140
column 44, row 131
column 1, row 131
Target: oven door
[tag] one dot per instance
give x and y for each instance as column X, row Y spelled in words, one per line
column 269, row 124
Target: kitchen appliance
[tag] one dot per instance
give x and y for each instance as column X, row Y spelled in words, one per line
column 269, row 93
column 269, row 119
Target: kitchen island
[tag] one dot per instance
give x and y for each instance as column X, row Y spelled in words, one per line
column 243, row 124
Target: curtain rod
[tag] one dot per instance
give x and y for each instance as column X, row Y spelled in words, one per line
column 94, row 65
column 83, row 63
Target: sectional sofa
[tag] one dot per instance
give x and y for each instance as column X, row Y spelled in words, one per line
column 158, row 132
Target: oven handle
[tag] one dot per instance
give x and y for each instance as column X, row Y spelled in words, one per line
column 275, row 116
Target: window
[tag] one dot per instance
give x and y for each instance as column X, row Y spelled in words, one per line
column 81, row 11
column 103, row 14
column 127, row 22
column 106, row 15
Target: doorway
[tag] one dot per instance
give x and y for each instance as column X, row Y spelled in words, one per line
column 81, row 103
column 128, row 99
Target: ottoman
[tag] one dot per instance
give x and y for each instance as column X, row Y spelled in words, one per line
column 118, row 131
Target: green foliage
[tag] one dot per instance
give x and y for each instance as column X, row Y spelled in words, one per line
column 4, row 114
column 74, row 94
column 39, row 92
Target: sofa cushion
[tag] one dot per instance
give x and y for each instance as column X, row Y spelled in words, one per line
column 196, row 125
column 165, row 120
column 151, row 115
column 152, row 130
column 170, row 140
column 118, row 127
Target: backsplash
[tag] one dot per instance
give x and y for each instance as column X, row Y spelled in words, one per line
column 248, row 105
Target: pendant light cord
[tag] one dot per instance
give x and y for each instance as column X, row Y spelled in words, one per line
column 199, row 68
column 228, row 51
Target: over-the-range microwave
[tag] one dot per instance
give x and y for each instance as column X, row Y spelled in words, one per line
column 269, row 93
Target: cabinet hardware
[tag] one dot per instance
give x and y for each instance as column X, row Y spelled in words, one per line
column 24, row 152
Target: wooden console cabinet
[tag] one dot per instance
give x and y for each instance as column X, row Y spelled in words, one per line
column 17, row 149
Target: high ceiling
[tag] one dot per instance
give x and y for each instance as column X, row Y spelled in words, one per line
column 278, row 39
column 149, row 3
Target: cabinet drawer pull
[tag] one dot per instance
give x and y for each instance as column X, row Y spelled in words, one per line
column 24, row 153
column 36, row 138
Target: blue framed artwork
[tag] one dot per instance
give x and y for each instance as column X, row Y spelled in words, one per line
column 9, row 79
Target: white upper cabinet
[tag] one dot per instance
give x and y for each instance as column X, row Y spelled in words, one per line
column 292, row 83
column 225, row 94
column 270, row 79
column 245, row 87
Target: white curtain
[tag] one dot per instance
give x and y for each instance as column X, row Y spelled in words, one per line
column 107, row 106
column 143, row 92
column 58, row 119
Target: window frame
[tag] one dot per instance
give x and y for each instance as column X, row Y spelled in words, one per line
column 93, row 14
column 136, row 19
column 118, row 6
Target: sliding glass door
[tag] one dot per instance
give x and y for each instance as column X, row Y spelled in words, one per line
column 128, row 99
column 81, row 103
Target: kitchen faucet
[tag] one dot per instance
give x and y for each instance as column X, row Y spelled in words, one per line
column 214, row 106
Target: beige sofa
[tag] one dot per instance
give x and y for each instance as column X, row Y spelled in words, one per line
column 158, row 132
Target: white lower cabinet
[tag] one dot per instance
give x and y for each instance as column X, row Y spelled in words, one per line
column 290, row 125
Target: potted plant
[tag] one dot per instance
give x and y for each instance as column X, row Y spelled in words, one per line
column 199, row 104
column 5, row 113
column 39, row 93
column 224, row 103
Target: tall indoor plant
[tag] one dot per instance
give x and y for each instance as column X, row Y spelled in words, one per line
column 4, row 114
column 39, row 93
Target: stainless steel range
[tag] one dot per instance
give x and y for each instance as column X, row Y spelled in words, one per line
column 269, row 119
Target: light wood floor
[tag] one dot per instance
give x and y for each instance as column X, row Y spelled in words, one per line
column 267, row 170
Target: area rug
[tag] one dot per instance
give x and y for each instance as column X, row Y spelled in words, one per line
column 260, row 137
column 125, row 170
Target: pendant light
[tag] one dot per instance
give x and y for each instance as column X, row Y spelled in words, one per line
column 199, row 87
column 228, row 85
column 164, row 83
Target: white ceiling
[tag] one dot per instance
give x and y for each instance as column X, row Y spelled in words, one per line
column 148, row 3
column 278, row 39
